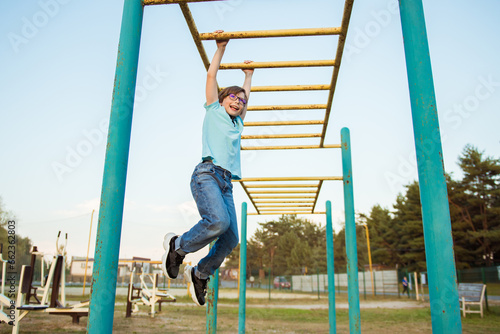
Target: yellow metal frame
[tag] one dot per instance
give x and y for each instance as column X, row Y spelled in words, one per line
column 272, row 195
column 274, row 202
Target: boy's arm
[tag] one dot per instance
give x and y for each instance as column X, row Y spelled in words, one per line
column 212, row 93
column 247, row 84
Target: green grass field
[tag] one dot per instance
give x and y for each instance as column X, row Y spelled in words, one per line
column 263, row 316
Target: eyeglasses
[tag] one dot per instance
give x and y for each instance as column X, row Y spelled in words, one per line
column 234, row 98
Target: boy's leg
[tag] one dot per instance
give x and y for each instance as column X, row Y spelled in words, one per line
column 206, row 189
column 206, row 186
column 224, row 245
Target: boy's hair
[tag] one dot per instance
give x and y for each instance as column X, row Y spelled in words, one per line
column 231, row 90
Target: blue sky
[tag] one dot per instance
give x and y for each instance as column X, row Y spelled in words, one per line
column 57, row 65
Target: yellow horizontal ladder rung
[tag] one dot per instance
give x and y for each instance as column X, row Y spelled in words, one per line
column 282, row 192
column 166, row 2
column 275, row 123
column 281, row 185
column 282, row 196
column 278, row 210
column 286, row 206
column 271, row 33
column 288, row 107
column 264, row 202
column 287, row 88
column 286, row 213
column 278, row 64
column 290, row 147
column 296, row 135
column 287, row 178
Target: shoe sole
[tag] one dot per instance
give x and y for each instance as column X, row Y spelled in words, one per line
column 188, row 273
column 166, row 247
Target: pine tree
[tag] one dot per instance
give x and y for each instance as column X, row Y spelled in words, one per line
column 479, row 203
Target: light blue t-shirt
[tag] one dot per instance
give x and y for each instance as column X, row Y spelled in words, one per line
column 221, row 138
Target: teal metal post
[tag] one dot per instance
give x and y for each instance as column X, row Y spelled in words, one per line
column 102, row 301
column 443, row 293
column 330, row 268
column 350, row 235
column 212, row 297
column 243, row 269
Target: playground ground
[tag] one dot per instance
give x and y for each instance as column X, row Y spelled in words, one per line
column 284, row 313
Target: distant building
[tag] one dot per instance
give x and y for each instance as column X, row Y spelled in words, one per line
column 125, row 267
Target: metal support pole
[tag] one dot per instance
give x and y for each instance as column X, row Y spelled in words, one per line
column 330, row 268
column 443, row 292
column 350, row 235
column 212, row 296
column 107, row 248
column 243, row 269
column 369, row 255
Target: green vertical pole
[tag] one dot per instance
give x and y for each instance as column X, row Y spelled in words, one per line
column 483, row 276
column 212, row 297
column 243, row 269
column 330, row 268
column 350, row 235
column 374, row 282
column 443, row 292
column 107, row 248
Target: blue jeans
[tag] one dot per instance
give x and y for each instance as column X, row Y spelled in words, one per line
column 213, row 192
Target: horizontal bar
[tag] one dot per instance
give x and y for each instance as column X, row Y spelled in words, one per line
column 271, row 33
column 288, row 88
column 166, row 2
column 278, row 210
column 283, row 123
column 283, row 196
column 284, row 213
column 277, row 64
column 298, row 178
column 288, row 107
column 282, row 192
column 286, row 206
column 264, row 202
column 282, row 186
column 298, row 135
column 292, row 147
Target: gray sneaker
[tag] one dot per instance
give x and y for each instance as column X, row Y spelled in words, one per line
column 171, row 260
column 198, row 287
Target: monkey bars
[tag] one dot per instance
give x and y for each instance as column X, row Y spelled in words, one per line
column 285, row 195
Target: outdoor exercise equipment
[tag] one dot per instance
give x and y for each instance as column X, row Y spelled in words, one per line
column 144, row 295
column 435, row 211
column 52, row 286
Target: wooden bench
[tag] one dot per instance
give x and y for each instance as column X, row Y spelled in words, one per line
column 471, row 294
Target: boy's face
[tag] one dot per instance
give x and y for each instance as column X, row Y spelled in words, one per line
column 233, row 103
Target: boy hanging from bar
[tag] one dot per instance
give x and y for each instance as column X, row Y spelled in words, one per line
column 211, row 182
